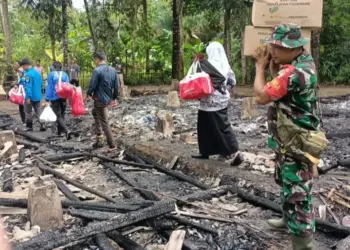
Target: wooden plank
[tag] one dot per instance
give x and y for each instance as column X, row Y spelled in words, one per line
column 176, row 240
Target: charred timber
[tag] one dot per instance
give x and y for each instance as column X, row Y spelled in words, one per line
column 27, row 144
column 53, row 239
column 65, row 157
column 187, row 222
column 30, row 136
column 73, row 182
column 127, row 163
column 344, row 163
column 103, row 242
column 330, row 228
column 21, row 155
column 175, row 174
column 144, row 193
column 207, row 194
column 133, row 157
column 124, row 242
column 160, row 224
column 65, row 190
column 7, row 180
column 7, row 202
column 92, row 215
column 3, row 126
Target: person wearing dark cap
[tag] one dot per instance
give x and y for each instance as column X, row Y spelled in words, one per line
column 294, row 127
column 104, row 90
column 32, row 86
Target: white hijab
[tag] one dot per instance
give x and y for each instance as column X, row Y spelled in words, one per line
column 217, row 57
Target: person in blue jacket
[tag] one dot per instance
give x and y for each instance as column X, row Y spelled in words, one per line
column 58, row 104
column 32, row 86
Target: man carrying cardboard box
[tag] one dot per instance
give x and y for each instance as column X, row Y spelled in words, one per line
column 293, row 115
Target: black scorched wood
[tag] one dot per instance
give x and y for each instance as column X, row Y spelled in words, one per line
column 176, row 174
column 144, row 193
column 207, row 194
column 330, row 228
column 3, row 126
column 133, row 157
column 191, row 223
column 27, row 144
column 97, row 206
column 30, row 136
column 124, row 242
column 127, row 163
column 73, row 182
column 160, row 224
column 92, row 215
column 53, row 239
column 21, row 155
column 7, row 180
column 65, row 190
column 344, row 163
column 64, row 157
column 103, row 242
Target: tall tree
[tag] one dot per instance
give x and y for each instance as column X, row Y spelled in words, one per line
column 87, row 10
column 178, row 51
column 145, row 20
column 315, row 48
column 227, row 31
column 65, row 34
column 7, row 31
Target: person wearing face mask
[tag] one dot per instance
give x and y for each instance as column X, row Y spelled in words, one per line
column 293, row 93
column 215, row 135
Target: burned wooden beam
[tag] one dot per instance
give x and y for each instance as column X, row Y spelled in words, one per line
column 64, row 157
column 344, row 163
column 3, row 126
column 175, row 174
column 65, row 190
column 124, row 242
column 144, row 193
column 7, row 202
column 7, row 180
column 73, row 182
column 187, row 222
column 207, row 194
column 53, row 239
column 326, row 169
column 92, row 215
column 134, row 157
column 103, row 242
column 160, row 224
column 30, row 136
column 27, row 144
column 127, row 163
column 327, row 227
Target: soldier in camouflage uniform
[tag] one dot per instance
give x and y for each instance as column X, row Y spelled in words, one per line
column 294, row 90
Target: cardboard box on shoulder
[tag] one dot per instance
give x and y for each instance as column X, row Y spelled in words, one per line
column 269, row 13
column 255, row 36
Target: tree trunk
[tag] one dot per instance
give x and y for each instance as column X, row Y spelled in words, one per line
column 145, row 20
column 178, row 53
column 243, row 61
column 134, row 27
column 227, row 33
column 52, row 35
column 94, row 41
column 65, row 35
column 315, row 49
column 7, row 31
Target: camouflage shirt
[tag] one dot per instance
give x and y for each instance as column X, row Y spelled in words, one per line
column 295, row 89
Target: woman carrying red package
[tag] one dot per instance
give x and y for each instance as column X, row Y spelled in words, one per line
column 58, row 104
column 215, row 135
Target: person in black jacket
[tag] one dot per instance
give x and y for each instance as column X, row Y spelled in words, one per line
column 104, row 90
column 215, row 135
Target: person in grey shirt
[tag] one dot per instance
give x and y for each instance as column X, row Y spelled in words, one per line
column 74, row 73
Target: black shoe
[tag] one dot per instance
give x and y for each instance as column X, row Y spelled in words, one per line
column 200, row 156
column 43, row 129
column 238, row 160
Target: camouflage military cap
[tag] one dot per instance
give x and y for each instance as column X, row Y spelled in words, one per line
column 287, row 36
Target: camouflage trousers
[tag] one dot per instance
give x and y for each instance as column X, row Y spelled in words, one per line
column 296, row 180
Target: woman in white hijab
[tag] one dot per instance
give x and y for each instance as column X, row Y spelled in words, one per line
column 215, row 135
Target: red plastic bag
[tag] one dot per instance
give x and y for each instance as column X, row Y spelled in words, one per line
column 78, row 107
column 17, row 95
column 63, row 89
column 196, row 85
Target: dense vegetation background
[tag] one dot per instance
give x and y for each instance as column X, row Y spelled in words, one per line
column 154, row 40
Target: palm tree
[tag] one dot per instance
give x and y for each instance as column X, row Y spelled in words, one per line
column 178, row 52
column 94, row 41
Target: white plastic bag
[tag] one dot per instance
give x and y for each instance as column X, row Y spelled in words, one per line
column 48, row 115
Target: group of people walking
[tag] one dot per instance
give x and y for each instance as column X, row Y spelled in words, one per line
column 103, row 89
